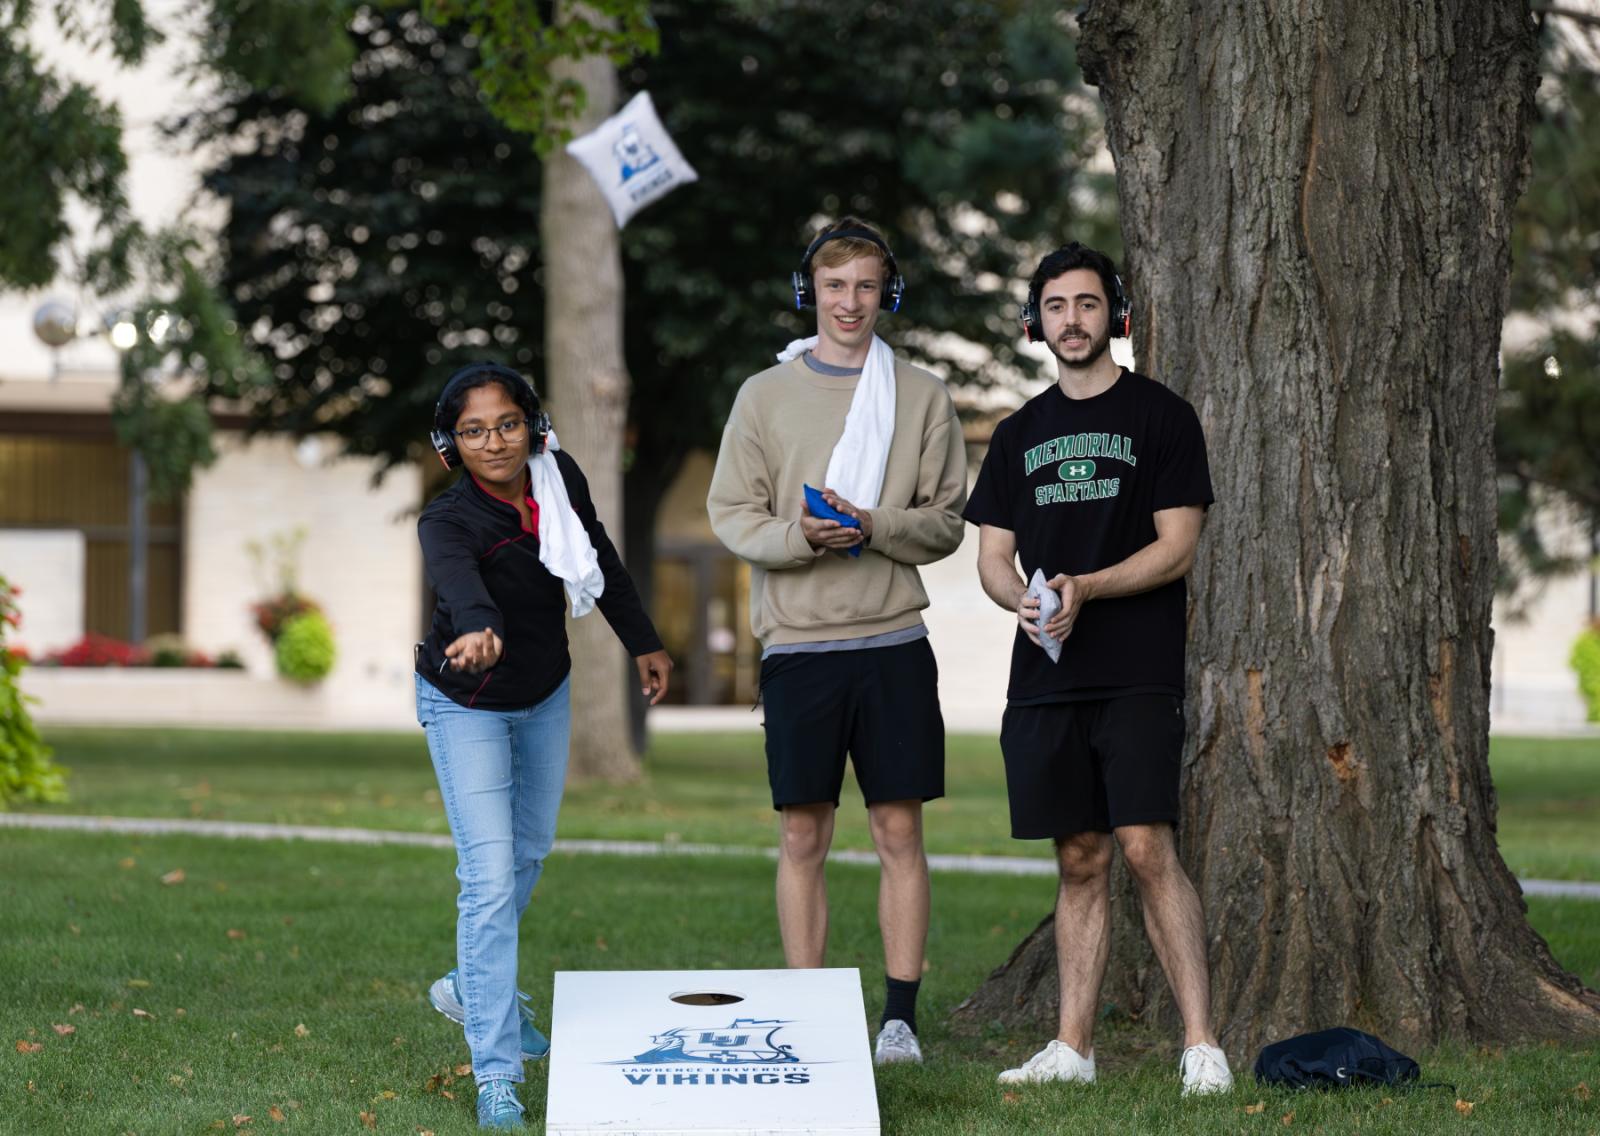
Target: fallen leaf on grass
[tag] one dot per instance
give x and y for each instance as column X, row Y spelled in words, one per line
column 74, row 928
column 240, row 1119
column 301, row 1031
column 370, row 1119
column 276, row 1114
column 447, row 1094
column 29, row 1046
column 176, row 876
column 432, row 1085
column 235, row 934
column 464, row 1070
column 1464, row 1107
column 64, row 1031
column 217, row 1126
column 1009, row 1098
column 1582, row 1091
column 600, row 943
column 421, row 1131
column 1252, row 1109
column 387, row 1094
column 141, row 983
column 145, row 1014
column 1386, row 1101
column 77, row 1008
column 1288, row 1119
column 179, row 1012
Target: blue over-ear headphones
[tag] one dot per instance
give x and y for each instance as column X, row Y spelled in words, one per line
column 443, row 434
column 805, row 289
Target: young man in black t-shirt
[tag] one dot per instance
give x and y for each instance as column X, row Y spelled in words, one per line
column 1101, row 483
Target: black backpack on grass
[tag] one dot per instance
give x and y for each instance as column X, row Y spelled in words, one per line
column 1334, row 1058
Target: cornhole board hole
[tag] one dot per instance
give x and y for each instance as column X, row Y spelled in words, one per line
column 692, row 1052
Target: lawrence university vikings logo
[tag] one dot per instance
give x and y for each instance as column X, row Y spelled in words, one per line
column 634, row 155
column 746, row 1053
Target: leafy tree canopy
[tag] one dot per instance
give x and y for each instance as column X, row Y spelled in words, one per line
column 371, row 248
column 1547, row 431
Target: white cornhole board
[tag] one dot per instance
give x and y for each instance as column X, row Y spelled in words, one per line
column 790, row 1057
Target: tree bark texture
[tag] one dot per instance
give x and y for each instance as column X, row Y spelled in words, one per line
column 1316, row 201
column 588, row 386
column 644, row 487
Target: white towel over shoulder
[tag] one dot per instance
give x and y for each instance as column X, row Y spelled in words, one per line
column 855, row 471
column 564, row 546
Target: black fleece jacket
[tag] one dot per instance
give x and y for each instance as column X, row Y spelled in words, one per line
column 484, row 567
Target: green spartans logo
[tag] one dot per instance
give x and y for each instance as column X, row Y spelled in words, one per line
column 1075, row 459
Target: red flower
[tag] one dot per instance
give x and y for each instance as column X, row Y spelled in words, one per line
column 103, row 651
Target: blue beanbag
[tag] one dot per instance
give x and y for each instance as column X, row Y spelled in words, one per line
column 820, row 508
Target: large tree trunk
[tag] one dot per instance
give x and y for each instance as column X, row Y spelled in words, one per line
column 1316, row 202
column 656, row 464
column 588, row 382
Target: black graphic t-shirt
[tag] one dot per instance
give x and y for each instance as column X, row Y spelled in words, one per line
column 1078, row 482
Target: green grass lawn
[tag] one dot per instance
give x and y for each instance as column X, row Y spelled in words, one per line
column 705, row 788
column 288, row 979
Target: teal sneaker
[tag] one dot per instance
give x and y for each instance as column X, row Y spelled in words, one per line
column 445, row 996
column 498, row 1106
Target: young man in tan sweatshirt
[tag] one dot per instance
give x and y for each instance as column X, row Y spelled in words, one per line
column 846, row 665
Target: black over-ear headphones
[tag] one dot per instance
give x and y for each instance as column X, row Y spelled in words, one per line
column 805, row 289
column 1121, row 306
column 443, row 434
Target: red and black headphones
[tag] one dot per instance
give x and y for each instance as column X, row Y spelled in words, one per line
column 443, row 434
column 1121, row 306
column 805, row 288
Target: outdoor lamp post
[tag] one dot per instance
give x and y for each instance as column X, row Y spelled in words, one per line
column 55, row 322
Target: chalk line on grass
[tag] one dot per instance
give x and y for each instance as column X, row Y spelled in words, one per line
column 243, row 830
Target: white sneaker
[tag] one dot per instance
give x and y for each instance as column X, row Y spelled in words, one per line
column 1057, row 1061
column 897, row 1045
column 1205, row 1070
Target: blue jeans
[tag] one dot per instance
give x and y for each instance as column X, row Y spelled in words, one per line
column 501, row 773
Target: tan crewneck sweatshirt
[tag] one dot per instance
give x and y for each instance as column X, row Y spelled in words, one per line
column 778, row 439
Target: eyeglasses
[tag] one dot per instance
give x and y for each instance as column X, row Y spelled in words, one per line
column 477, row 437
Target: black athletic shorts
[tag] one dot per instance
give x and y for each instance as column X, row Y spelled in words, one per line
column 881, row 704
column 1092, row 766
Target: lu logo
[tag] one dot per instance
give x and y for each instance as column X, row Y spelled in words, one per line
column 746, row 1041
column 634, row 155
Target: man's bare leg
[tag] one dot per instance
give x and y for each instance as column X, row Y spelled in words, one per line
column 805, row 834
column 1083, row 933
column 1174, row 921
column 902, row 886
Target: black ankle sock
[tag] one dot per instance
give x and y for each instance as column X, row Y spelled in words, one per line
column 900, row 1001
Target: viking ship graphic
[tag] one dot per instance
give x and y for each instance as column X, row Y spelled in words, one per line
column 746, row 1041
